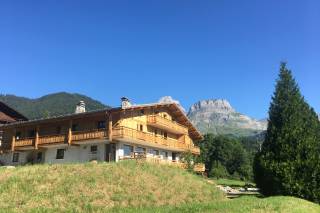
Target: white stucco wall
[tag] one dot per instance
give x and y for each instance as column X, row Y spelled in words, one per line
column 75, row 154
column 6, row 158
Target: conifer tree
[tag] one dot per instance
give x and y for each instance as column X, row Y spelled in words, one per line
column 288, row 163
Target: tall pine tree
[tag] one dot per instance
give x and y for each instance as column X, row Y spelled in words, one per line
column 288, row 163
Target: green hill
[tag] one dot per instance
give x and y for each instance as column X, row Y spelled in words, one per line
column 50, row 105
column 127, row 186
column 85, row 187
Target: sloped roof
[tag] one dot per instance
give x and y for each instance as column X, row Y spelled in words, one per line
column 9, row 115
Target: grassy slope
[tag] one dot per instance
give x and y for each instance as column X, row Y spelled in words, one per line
column 81, row 187
column 141, row 187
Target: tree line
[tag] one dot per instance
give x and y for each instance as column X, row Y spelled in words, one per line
column 287, row 160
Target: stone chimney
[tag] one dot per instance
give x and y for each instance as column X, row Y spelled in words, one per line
column 125, row 103
column 81, row 107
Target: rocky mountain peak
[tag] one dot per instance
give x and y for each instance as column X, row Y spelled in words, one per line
column 217, row 116
column 213, row 105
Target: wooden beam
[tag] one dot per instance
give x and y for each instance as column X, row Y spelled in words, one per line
column 13, row 140
column 70, row 132
column 110, row 127
column 36, row 142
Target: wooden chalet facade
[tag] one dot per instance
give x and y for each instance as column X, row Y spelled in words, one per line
column 153, row 131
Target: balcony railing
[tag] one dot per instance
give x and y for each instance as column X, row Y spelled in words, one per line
column 118, row 132
column 125, row 132
column 169, row 125
column 24, row 142
column 89, row 134
column 50, row 139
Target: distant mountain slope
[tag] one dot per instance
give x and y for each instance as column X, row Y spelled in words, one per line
column 50, row 105
column 218, row 117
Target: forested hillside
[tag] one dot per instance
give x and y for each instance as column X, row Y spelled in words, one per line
column 50, row 105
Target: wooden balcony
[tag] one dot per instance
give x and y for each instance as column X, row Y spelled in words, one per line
column 144, row 138
column 24, row 142
column 45, row 140
column 52, row 139
column 166, row 124
column 89, row 134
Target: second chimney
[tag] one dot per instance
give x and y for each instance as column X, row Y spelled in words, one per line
column 125, row 103
column 81, row 107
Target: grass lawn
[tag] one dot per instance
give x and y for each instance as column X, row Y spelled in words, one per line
column 240, row 205
column 231, row 183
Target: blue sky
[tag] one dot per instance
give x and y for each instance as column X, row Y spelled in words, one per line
column 190, row 50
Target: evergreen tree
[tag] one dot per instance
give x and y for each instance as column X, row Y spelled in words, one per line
column 288, row 162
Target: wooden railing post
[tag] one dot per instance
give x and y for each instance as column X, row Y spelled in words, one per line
column 70, row 132
column 110, row 127
column 36, row 142
column 13, row 140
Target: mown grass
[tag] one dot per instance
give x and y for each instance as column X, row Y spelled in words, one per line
column 231, row 182
column 94, row 187
column 240, row 205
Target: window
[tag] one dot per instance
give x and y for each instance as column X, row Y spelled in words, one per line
column 142, row 112
column 155, row 152
column 156, row 132
column 165, row 135
column 60, row 154
column 140, row 150
column 101, row 124
column 75, row 127
column 140, row 127
column 15, row 157
column 31, row 133
column 58, row 129
column 39, row 156
column 165, row 155
column 18, row 135
column 127, row 150
column 164, row 115
column 94, row 149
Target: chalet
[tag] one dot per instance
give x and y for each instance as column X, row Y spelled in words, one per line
column 159, row 131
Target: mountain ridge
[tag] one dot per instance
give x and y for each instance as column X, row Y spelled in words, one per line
column 217, row 116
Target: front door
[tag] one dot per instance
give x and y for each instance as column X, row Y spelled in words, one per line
column 110, row 152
